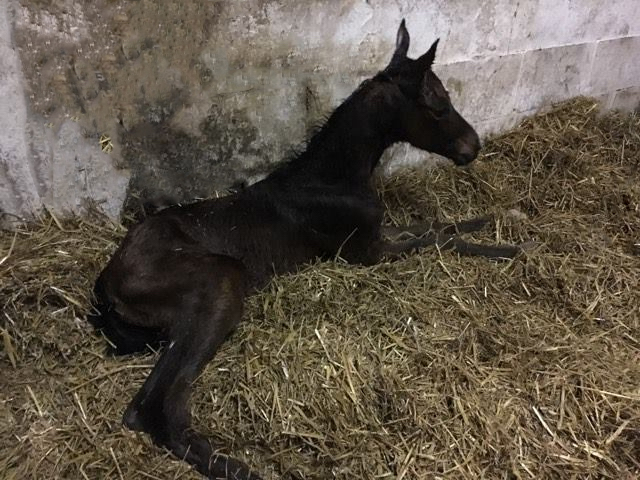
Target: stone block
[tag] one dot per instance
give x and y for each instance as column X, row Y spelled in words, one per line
column 18, row 190
column 473, row 30
column 83, row 176
column 553, row 74
column 627, row 100
column 553, row 23
column 482, row 89
column 616, row 65
column 494, row 126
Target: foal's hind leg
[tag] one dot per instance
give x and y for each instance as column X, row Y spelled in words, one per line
column 210, row 290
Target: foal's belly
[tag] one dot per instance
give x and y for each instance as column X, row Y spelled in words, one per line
column 265, row 248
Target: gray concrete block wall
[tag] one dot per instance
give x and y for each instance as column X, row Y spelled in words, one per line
column 616, row 65
column 18, row 188
column 198, row 95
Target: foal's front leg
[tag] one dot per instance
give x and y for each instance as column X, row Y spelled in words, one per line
column 393, row 249
column 421, row 229
column 444, row 237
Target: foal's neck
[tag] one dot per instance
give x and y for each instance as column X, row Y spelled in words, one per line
column 349, row 145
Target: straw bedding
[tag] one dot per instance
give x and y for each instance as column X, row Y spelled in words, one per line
column 435, row 366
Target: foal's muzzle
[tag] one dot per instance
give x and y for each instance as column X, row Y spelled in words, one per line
column 464, row 150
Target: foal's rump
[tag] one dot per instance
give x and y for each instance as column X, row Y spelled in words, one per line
column 157, row 267
column 124, row 338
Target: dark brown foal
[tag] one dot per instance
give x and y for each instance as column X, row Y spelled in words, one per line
column 180, row 277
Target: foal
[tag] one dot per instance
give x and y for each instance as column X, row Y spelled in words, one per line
column 181, row 275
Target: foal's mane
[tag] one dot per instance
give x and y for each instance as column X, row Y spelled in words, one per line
column 329, row 129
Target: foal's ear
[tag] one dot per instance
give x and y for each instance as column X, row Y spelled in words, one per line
column 425, row 61
column 402, row 45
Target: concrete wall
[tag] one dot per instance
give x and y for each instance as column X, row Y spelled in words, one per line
column 190, row 97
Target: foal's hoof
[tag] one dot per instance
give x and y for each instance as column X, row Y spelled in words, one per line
column 132, row 419
column 467, row 226
column 528, row 246
column 196, row 450
column 475, row 224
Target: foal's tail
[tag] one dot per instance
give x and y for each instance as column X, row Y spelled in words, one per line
column 124, row 338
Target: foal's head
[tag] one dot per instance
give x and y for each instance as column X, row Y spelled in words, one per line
column 423, row 113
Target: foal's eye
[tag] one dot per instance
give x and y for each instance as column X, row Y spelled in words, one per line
column 440, row 112
column 438, row 106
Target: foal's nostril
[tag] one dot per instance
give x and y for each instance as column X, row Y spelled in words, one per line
column 466, row 149
column 466, row 154
column 465, row 158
